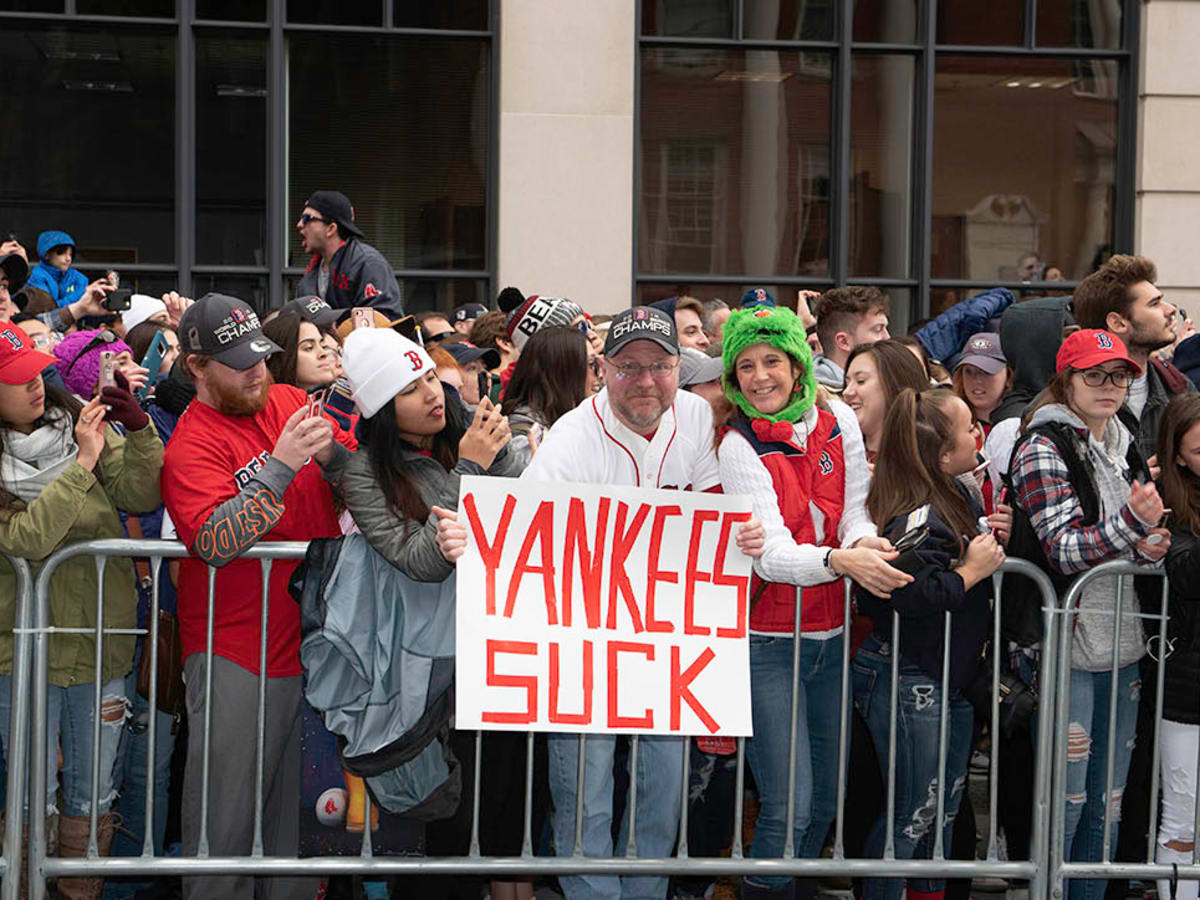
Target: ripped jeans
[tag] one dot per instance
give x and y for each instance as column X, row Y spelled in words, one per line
column 918, row 723
column 69, row 716
column 1088, row 737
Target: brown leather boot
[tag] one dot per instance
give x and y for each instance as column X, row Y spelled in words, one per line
column 72, row 843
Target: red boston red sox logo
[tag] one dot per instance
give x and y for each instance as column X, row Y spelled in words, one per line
column 415, row 359
column 237, row 314
column 11, row 336
column 371, row 291
column 1103, row 341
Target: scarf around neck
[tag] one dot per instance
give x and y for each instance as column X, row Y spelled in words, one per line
column 29, row 462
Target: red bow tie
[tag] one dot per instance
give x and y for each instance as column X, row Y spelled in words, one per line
column 771, row 432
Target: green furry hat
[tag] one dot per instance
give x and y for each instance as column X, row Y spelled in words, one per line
column 781, row 328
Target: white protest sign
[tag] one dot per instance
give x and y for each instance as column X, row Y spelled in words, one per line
column 595, row 608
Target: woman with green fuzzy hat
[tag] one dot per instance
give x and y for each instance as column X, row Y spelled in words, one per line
column 801, row 460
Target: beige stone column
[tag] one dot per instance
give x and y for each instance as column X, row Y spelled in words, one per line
column 566, row 149
column 1168, row 177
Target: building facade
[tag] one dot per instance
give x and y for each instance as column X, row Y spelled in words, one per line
column 611, row 151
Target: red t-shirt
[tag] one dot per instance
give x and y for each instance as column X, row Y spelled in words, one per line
column 206, row 455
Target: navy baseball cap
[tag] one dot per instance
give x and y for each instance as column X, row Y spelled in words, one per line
column 314, row 309
column 464, row 353
column 757, row 297
column 468, row 312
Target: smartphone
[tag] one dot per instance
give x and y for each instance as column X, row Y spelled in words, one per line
column 485, row 384
column 317, row 396
column 114, row 277
column 118, row 300
column 364, row 317
column 153, row 361
column 108, row 369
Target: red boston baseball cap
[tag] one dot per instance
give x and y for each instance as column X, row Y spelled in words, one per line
column 19, row 362
column 1092, row 347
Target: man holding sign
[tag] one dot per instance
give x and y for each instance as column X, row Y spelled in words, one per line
column 637, row 432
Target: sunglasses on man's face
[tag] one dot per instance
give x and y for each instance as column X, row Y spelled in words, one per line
column 305, row 218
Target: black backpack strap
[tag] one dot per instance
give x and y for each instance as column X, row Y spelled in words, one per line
column 1079, row 469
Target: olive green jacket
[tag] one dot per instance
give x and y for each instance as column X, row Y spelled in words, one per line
column 76, row 506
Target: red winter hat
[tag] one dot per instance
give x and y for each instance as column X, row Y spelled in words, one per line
column 19, row 362
column 1092, row 347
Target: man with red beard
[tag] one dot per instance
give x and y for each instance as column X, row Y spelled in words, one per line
column 246, row 463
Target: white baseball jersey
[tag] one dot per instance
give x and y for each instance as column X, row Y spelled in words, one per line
column 590, row 445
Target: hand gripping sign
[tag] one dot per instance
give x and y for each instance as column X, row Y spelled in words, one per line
column 601, row 609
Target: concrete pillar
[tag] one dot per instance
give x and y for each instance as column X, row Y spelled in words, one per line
column 1168, row 178
column 566, row 149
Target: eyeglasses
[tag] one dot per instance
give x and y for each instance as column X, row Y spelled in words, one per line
column 305, row 218
column 631, row 371
column 1121, row 378
column 104, row 336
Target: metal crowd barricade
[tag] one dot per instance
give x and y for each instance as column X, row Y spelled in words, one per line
column 37, row 632
column 10, row 855
column 1105, row 867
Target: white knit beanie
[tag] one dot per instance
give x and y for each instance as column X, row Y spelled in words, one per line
column 141, row 308
column 379, row 363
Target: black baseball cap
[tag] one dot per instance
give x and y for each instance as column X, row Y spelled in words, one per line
column 468, row 312
column 226, row 329
column 15, row 269
column 641, row 323
column 336, row 206
column 314, row 309
column 464, row 353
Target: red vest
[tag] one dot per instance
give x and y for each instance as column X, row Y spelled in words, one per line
column 816, row 475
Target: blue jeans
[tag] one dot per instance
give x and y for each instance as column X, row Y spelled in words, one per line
column 659, row 770
column 69, row 722
column 918, row 723
column 131, row 779
column 1088, row 737
column 818, row 722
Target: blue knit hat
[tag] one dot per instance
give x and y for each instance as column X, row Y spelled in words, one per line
column 48, row 240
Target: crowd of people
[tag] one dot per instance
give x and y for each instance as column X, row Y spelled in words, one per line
column 1051, row 429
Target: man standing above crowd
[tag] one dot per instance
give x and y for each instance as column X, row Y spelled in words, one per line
column 847, row 317
column 638, row 431
column 344, row 271
column 245, row 464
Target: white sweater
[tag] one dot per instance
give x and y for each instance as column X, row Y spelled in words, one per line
column 783, row 560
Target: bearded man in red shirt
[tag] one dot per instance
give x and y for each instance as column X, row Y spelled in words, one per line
column 246, row 463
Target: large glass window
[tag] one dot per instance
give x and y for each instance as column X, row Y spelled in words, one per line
column 86, row 139
column 398, row 120
column 734, row 161
column 411, row 155
column 1022, row 204
column 927, row 147
column 231, row 184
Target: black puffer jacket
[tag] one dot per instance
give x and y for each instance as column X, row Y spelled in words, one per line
column 1181, row 694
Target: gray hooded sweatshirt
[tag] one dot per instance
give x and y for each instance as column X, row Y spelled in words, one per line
column 1095, row 625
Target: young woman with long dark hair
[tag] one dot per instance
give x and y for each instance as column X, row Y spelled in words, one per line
column 305, row 361
column 415, row 443
column 875, row 375
column 928, row 443
column 557, row 370
column 64, row 473
column 1179, row 455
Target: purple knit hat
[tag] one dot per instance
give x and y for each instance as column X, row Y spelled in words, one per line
column 79, row 359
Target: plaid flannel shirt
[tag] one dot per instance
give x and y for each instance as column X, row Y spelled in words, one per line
column 1045, row 492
